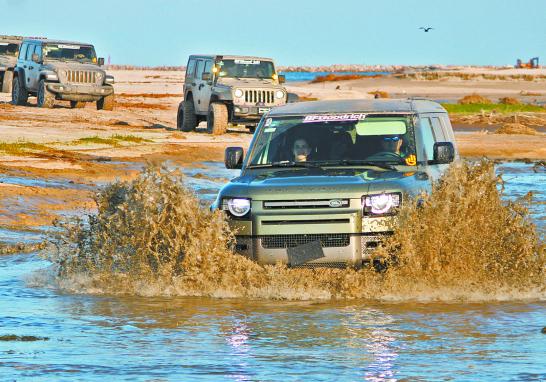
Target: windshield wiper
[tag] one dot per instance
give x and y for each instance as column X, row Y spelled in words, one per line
column 286, row 164
column 350, row 162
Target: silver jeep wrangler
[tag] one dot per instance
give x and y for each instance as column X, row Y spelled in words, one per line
column 60, row 70
column 229, row 89
column 9, row 49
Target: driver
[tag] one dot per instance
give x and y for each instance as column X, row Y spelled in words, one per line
column 301, row 150
column 390, row 148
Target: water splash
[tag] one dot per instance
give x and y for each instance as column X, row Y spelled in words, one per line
column 462, row 242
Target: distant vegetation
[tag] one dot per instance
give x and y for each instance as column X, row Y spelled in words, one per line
column 469, row 76
column 342, row 77
column 492, row 107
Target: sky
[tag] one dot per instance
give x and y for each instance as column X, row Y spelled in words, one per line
column 293, row 32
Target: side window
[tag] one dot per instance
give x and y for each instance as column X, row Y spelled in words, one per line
column 190, row 70
column 30, row 51
column 23, row 51
column 437, row 128
column 38, row 51
column 208, row 67
column 199, row 69
column 448, row 130
column 427, row 138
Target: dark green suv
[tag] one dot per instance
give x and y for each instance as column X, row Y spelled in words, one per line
column 322, row 181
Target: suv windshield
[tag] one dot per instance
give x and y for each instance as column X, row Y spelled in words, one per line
column 68, row 52
column 335, row 139
column 245, row 68
column 8, row 49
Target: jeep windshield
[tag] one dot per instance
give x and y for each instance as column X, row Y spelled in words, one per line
column 245, row 68
column 69, row 52
column 349, row 139
column 8, row 49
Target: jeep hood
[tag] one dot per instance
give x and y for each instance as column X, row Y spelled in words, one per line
column 247, row 82
column 301, row 184
column 72, row 65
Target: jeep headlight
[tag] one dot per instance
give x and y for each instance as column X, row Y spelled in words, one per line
column 238, row 93
column 52, row 77
column 381, row 204
column 279, row 94
column 237, row 207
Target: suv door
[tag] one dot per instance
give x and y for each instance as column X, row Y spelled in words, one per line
column 21, row 61
column 206, row 86
column 189, row 83
column 198, row 87
column 33, row 67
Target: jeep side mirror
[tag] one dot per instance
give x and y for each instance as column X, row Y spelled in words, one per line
column 282, row 79
column 206, row 76
column 101, row 61
column 233, row 157
column 35, row 58
column 443, row 153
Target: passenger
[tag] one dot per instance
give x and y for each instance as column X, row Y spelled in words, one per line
column 340, row 147
column 301, row 150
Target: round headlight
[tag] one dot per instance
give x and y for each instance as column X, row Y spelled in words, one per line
column 238, row 206
column 238, row 93
column 62, row 73
column 279, row 94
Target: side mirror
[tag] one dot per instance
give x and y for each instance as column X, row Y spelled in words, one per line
column 206, row 76
column 233, row 157
column 443, row 152
column 101, row 61
column 282, row 79
column 35, row 58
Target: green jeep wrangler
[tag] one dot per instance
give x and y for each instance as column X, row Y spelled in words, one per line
column 229, row 89
column 323, row 180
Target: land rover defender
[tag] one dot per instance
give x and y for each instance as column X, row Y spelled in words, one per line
column 9, row 49
column 322, row 181
column 60, row 70
column 229, row 89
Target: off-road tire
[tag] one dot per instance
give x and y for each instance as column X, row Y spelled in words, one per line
column 7, row 82
column 45, row 98
column 217, row 118
column 106, row 103
column 19, row 94
column 77, row 105
column 188, row 118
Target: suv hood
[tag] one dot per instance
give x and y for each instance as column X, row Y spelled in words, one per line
column 72, row 65
column 247, row 82
column 301, row 183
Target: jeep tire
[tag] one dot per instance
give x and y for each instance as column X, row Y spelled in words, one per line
column 217, row 118
column 106, row 103
column 77, row 105
column 19, row 94
column 45, row 98
column 187, row 120
column 7, row 82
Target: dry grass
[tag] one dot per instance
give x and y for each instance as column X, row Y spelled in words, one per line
column 516, row 128
column 474, row 99
column 141, row 105
column 342, row 77
column 379, row 94
column 509, row 101
column 113, row 140
column 22, row 148
column 435, row 76
column 149, row 95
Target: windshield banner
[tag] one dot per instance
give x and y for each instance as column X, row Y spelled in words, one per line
column 334, row 117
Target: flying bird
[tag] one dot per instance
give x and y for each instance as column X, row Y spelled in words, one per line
column 426, row 29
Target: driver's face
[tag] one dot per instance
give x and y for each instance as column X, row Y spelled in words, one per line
column 392, row 146
column 301, row 150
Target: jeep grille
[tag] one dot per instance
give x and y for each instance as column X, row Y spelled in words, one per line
column 81, row 77
column 289, row 241
column 267, row 97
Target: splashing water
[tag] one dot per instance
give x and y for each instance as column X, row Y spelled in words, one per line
column 149, row 237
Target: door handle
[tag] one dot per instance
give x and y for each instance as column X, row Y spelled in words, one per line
column 31, row 67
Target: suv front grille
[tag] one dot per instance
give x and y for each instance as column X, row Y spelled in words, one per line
column 327, row 240
column 317, row 203
column 266, row 97
column 81, row 76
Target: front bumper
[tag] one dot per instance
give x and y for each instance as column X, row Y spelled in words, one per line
column 249, row 113
column 85, row 93
column 346, row 238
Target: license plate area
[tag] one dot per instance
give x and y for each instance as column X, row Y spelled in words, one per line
column 263, row 110
column 305, row 253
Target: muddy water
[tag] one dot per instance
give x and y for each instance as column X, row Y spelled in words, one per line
column 105, row 338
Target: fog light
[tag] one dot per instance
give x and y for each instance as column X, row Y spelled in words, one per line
column 237, row 110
